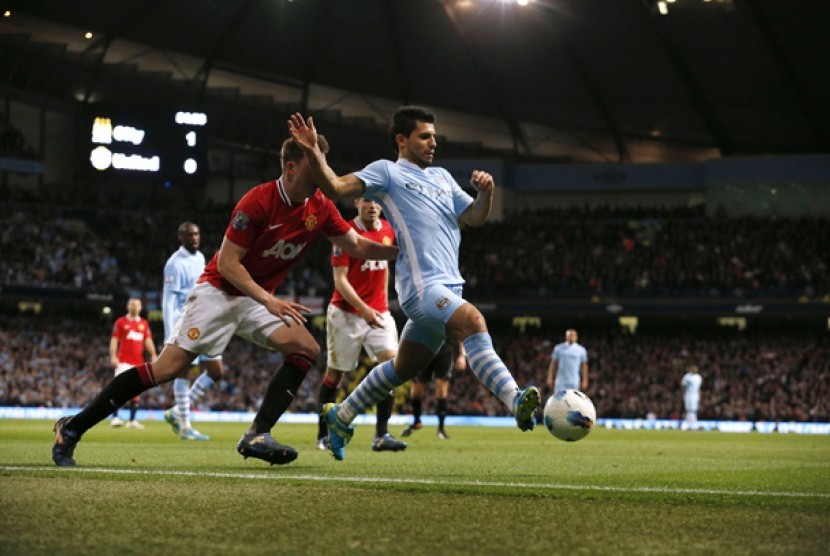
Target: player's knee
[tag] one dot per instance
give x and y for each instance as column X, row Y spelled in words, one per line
column 301, row 360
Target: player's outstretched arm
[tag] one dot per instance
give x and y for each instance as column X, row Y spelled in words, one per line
column 361, row 248
column 332, row 185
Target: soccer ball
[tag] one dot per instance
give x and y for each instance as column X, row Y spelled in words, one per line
column 569, row 415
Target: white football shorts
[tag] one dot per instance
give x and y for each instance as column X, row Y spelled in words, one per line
column 347, row 332
column 212, row 317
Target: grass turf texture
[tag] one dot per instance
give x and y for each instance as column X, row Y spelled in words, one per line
column 485, row 491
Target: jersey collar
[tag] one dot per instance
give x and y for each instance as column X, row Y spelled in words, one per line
column 360, row 226
column 284, row 195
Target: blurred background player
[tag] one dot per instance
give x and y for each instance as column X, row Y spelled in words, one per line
column 691, row 395
column 181, row 271
column 440, row 368
column 358, row 316
column 568, row 366
column 131, row 335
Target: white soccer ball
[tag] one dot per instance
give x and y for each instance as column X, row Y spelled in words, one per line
column 570, row 415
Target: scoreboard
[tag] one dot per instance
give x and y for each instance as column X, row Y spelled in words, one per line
column 164, row 145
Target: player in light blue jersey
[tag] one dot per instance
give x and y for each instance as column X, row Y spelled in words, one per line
column 568, row 364
column 690, row 383
column 424, row 204
column 181, row 271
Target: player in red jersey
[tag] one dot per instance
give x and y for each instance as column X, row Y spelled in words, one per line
column 131, row 335
column 269, row 230
column 358, row 316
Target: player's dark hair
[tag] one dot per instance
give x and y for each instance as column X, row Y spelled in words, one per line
column 404, row 121
column 184, row 226
column 291, row 152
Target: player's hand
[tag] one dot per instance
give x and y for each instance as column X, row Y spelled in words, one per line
column 373, row 318
column 114, row 362
column 288, row 311
column 482, row 181
column 303, row 131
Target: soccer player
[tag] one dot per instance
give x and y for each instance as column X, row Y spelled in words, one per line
column 568, row 364
column 424, row 204
column 269, row 230
column 440, row 368
column 181, row 271
column 131, row 335
column 690, row 383
column 358, row 316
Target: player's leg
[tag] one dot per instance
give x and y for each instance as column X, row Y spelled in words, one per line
column 213, row 371
column 442, row 389
column 328, row 394
column 124, row 387
column 468, row 323
column 416, row 396
column 300, row 351
column 133, row 423
column 116, row 421
column 382, row 345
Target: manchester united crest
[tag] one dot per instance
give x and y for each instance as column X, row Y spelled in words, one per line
column 387, row 240
column 310, row 222
column 194, row 333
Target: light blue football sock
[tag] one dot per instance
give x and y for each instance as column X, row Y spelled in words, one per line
column 371, row 390
column 490, row 369
column 200, row 386
column 182, row 397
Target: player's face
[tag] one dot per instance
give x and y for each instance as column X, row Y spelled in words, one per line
column 191, row 238
column 368, row 211
column 134, row 307
column 299, row 179
column 419, row 147
column 571, row 336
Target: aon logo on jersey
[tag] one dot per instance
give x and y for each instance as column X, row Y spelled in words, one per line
column 284, row 250
column 373, row 265
column 135, row 336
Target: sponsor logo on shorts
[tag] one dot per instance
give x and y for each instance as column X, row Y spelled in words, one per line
column 442, row 303
column 310, row 222
column 194, row 333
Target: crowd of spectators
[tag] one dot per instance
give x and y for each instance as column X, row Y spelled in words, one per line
column 601, row 251
column 576, row 253
column 747, row 376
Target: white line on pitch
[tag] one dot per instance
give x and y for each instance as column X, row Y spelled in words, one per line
column 387, row 480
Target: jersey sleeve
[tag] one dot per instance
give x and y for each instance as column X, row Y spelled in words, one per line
column 375, row 178
column 247, row 219
column 339, row 257
column 116, row 328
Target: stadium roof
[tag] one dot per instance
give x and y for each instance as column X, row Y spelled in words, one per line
column 613, row 80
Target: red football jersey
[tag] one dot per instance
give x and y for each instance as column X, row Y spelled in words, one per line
column 131, row 335
column 367, row 277
column 276, row 232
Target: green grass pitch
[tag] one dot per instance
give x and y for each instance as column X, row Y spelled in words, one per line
column 484, row 491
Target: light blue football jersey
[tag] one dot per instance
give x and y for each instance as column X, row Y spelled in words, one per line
column 570, row 358
column 181, row 271
column 423, row 206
